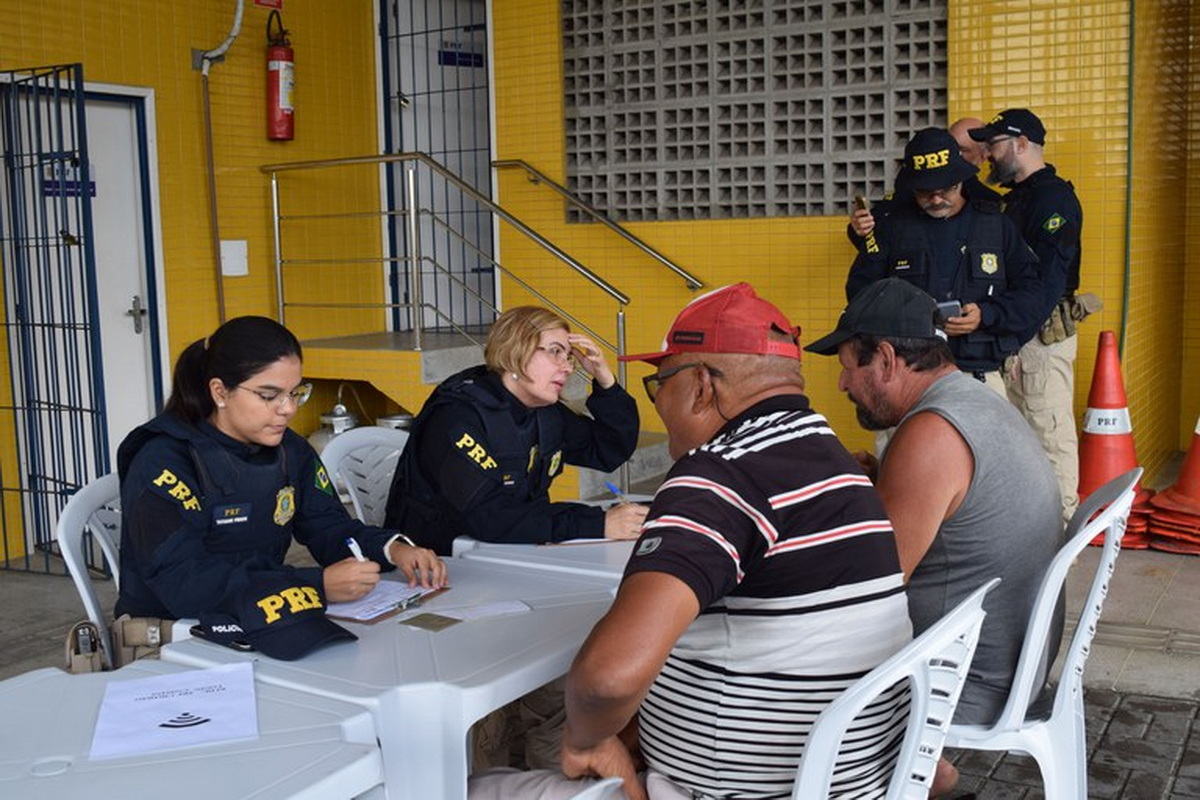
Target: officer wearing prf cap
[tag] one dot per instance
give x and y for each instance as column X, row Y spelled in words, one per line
column 959, row 251
column 1046, row 211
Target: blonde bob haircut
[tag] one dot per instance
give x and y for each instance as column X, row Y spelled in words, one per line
column 515, row 337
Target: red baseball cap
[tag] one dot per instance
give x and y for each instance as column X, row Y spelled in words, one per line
column 732, row 319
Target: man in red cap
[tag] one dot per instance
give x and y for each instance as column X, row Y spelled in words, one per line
column 765, row 582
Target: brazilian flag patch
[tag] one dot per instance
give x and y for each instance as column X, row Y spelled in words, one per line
column 321, row 481
column 1052, row 224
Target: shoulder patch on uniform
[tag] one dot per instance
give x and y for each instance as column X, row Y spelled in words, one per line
column 177, row 489
column 475, row 451
column 1053, row 223
column 321, row 480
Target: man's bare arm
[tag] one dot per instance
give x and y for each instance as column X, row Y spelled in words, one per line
column 923, row 480
column 615, row 667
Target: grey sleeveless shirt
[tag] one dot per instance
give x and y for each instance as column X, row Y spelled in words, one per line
column 1009, row 525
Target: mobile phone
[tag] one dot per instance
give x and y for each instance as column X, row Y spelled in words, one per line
column 950, row 308
column 861, row 202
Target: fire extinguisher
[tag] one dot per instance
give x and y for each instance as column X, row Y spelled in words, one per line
column 281, row 81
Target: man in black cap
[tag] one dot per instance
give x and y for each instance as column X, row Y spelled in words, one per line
column 958, row 251
column 1045, row 209
column 964, row 480
column 863, row 219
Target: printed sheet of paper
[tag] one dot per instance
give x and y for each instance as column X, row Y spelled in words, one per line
column 386, row 597
column 165, row 712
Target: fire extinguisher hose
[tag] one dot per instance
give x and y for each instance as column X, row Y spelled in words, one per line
column 279, row 37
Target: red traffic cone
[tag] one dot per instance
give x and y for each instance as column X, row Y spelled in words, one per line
column 1184, row 496
column 1106, row 444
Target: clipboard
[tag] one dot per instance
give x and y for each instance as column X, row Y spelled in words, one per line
column 386, row 599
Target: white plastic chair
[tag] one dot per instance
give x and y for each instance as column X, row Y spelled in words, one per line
column 97, row 508
column 1058, row 742
column 935, row 665
column 364, row 460
column 607, row 789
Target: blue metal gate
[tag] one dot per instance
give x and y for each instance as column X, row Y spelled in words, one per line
column 52, row 416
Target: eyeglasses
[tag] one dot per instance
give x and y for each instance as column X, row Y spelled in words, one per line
column 998, row 140
column 943, row 192
column 556, row 353
column 298, row 396
column 653, row 382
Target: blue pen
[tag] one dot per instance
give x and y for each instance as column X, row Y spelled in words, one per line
column 355, row 550
column 621, row 498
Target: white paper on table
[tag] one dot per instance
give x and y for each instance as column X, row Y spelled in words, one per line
column 165, row 712
column 499, row 608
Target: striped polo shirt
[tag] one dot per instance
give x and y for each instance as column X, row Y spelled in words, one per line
column 787, row 547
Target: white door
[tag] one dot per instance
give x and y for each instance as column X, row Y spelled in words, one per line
column 120, row 233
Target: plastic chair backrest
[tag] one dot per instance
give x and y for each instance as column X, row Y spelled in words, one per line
column 934, row 666
column 364, row 460
column 96, row 508
column 607, row 789
column 1105, row 511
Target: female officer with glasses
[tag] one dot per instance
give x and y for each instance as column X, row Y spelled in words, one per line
column 489, row 441
column 215, row 488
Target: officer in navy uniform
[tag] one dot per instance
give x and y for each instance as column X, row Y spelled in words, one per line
column 487, row 444
column 214, row 490
column 1045, row 209
column 957, row 249
column 864, row 220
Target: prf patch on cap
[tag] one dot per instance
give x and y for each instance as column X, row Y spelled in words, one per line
column 1054, row 222
column 687, row 337
column 939, row 158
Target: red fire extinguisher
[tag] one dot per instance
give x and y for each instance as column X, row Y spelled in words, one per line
column 281, row 81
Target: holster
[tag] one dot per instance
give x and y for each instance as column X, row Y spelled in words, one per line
column 1062, row 322
column 1057, row 327
column 138, row 637
column 84, row 651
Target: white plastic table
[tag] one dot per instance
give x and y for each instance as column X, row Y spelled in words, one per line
column 600, row 558
column 425, row 688
column 308, row 747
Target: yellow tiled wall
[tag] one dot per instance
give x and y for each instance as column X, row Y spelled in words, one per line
column 1189, row 327
column 149, row 43
column 1069, row 62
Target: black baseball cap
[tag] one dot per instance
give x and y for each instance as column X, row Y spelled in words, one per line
column 890, row 307
column 1012, row 122
column 933, row 160
column 278, row 615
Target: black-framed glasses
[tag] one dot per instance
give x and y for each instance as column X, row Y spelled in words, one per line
column 298, row 396
column 998, row 140
column 652, row 382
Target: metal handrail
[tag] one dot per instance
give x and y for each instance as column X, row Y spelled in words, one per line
column 537, row 176
column 465, row 188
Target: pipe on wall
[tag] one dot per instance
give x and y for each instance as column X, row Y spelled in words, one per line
column 206, row 59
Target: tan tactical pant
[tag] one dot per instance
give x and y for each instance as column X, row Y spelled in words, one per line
column 1041, row 383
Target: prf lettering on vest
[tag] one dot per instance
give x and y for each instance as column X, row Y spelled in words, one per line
column 179, row 490
column 931, row 160
column 475, row 452
column 298, row 598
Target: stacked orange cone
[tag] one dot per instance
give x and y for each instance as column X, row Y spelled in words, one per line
column 1106, row 444
column 1175, row 520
